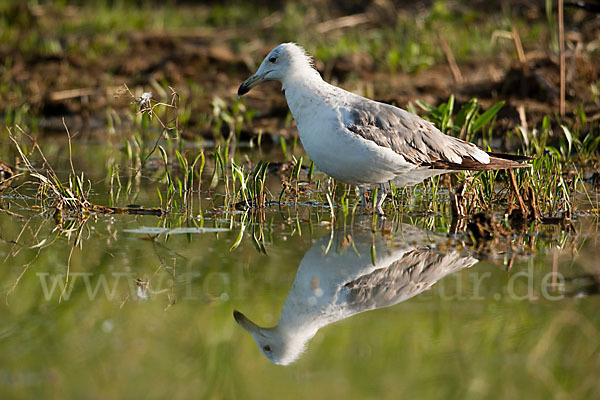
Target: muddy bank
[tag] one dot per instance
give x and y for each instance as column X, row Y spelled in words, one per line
column 207, row 62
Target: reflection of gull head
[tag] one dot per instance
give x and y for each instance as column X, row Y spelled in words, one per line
column 275, row 344
column 372, row 274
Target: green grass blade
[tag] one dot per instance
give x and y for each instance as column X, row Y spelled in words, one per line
column 487, row 116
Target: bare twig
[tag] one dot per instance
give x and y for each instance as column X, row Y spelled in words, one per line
column 457, row 200
column 67, row 275
column 456, row 74
column 561, row 44
column 347, row 21
column 15, row 241
column 511, row 262
column 515, row 187
column 71, row 94
column 519, row 46
column 25, row 269
column 523, row 117
column 70, row 148
column 533, row 204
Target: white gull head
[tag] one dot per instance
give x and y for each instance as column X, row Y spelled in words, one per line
column 286, row 61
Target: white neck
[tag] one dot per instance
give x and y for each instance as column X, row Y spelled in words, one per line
column 302, row 90
column 301, row 73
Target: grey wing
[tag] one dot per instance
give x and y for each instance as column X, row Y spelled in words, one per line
column 416, row 271
column 417, row 140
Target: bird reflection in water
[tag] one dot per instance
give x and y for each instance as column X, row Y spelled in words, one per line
column 346, row 280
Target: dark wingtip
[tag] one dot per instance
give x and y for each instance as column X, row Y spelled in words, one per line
column 243, row 89
column 512, row 157
column 468, row 164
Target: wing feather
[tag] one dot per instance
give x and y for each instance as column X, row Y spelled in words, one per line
column 417, row 140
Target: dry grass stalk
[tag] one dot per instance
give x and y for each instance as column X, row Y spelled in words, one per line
column 71, row 197
column 513, row 182
column 519, row 46
column 348, row 21
column 456, row 74
column 561, row 43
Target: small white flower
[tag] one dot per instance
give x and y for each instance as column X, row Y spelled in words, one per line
column 144, row 99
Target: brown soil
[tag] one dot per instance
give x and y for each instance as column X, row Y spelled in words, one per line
column 82, row 90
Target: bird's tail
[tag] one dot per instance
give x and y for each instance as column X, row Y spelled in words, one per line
column 512, row 157
column 497, row 161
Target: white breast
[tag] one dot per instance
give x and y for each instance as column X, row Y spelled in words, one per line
column 343, row 155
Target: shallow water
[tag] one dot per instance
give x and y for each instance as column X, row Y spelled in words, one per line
column 406, row 311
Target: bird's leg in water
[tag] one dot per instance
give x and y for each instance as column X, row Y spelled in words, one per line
column 363, row 198
column 381, row 194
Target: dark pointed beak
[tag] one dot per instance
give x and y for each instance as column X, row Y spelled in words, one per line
column 243, row 89
column 250, row 83
column 245, row 322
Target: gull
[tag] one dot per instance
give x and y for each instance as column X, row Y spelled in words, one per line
column 363, row 142
column 331, row 286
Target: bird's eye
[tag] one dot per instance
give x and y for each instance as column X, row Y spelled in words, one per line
column 267, row 348
column 273, row 59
